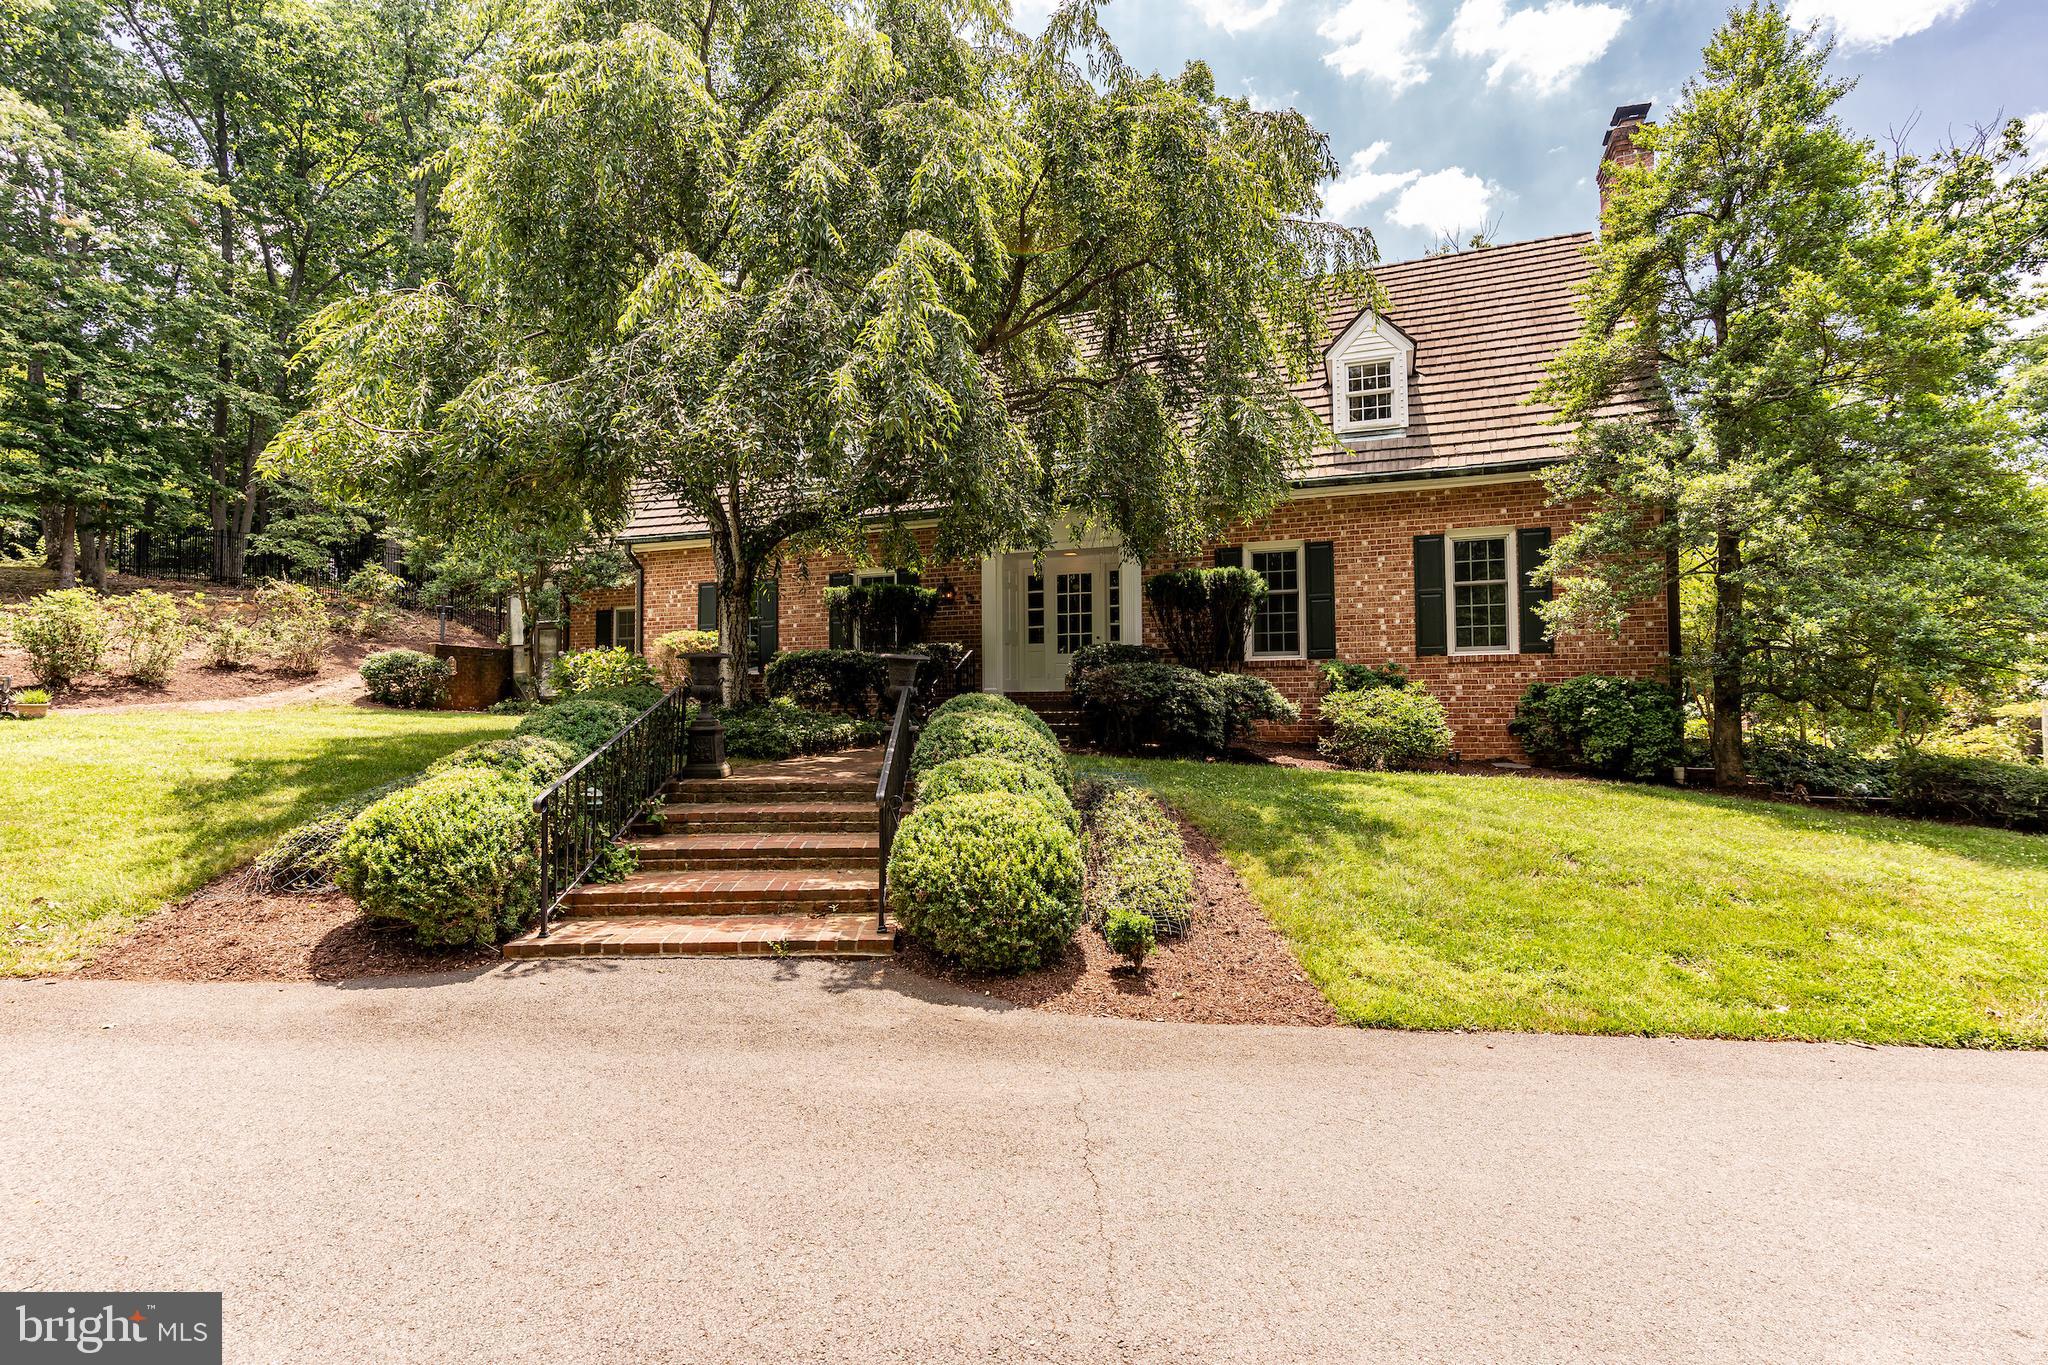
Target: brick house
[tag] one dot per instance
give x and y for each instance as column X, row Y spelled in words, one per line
column 1409, row 536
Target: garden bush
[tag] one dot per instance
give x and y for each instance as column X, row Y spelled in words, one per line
column 406, row 677
column 782, row 729
column 1343, row 677
column 850, row 679
column 987, row 881
column 968, row 733
column 586, row 670
column 1980, row 741
column 153, row 633
column 372, row 592
column 1622, row 727
column 1794, row 766
column 1130, row 935
column 986, row 773
column 1205, row 615
column 1387, row 727
column 302, row 859
column 451, row 857
column 1126, row 707
column 942, row 677
column 1138, row 862
column 296, row 627
column 64, row 633
column 529, row 759
column 1088, row 658
column 581, row 724
column 995, row 704
column 227, row 643
column 1247, row 700
column 1981, row 790
column 636, row 698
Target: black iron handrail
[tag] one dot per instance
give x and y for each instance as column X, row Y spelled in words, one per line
column 889, row 791
column 585, row 809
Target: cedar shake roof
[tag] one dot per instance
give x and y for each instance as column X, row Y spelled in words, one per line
column 1485, row 324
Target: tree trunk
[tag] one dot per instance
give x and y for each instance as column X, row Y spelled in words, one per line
column 52, row 517
column 217, row 507
column 735, row 614
column 1725, row 732
column 67, row 547
column 92, row 557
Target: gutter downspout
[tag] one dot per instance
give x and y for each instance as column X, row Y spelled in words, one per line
column 639, row 599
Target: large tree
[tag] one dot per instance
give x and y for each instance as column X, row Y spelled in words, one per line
column 1835, row 455
column 810, row 266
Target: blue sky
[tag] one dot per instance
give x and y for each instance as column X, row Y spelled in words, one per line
column 1452, row 113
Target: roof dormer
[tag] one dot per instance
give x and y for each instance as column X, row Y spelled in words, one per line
column 1369, row 364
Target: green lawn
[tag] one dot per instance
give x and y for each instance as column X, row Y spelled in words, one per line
column 103, row 819
column 1434, row 901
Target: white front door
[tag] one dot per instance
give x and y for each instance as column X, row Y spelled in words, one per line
column 1054, row 609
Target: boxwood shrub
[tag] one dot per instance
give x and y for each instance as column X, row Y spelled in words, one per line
column 782, row 729
column 586, row 670
column 406, row 677
column 532, row 759
column 1623, row 727
column 1247, row 700
column 1131, row 935
column 967, row 733
column 1088, row 658
column 635, row 697
column 1385, row 727
column 1981, row 790
column 580, row 724
column 1138, row 863
column 994, row 704
column 451, row 857
column 987, row 881
column 1129, row 706
column 302, row 859
column 850, row 679
column 987, row 773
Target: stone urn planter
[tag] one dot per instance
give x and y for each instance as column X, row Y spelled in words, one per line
column 902, row 671
column 706, row 739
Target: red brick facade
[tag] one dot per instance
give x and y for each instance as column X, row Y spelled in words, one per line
column 1373, row 537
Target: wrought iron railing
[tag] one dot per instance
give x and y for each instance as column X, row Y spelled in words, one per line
column 889, row 791
column 592, row 804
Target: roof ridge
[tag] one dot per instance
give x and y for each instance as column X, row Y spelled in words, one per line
column 1585, row 233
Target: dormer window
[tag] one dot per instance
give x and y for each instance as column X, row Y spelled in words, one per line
column 1369, row 392
column 1369, row 366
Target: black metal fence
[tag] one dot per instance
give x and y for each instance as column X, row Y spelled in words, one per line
column 889, row 790
column 189, row 554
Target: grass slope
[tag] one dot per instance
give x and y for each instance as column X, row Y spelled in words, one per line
column 103, row 819
column 1434, row 901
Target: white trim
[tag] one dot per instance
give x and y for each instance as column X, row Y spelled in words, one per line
column 1505, row 534
column 1299, row 548
column 992, row 615
column 1369, row 338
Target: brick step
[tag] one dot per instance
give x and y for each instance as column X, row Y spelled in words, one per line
column 733, row 891
column 815, row 848
column 844, row 935
column 734, row 817
column 758, row 791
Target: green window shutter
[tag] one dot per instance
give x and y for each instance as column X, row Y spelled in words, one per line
column 604, row 628
column 1319, row 577
column 1532, row 547
column 767, row 620
column 1230, row 556
column 707, row 606
column 1431, row 634
column 838, row 630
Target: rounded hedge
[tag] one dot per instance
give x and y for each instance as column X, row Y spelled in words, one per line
column 406, row 677
column 532, row 759
column 580, row 724
column 968, row 734
column 1385, row 728
column 635, row 698
column 988, row 773
column 451, row 857
column 994, row 704
column 987, row 881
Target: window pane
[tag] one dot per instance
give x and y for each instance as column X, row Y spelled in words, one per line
column 1276, row 627
column 622, row 627
column 1480, row 615
column 1074, row 612
column 1113, row 605
column 1034, row 610
column 1479, row 561
column 1369, row 391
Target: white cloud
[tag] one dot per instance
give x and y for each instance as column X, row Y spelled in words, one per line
column 1541, row 47
column 1360, row 184
column 2037, row 137
column 1259, row 99
column 1376, row 38
column 1449, row 200
column 1874, row 23
column 1029, row 16
column 1235, row 16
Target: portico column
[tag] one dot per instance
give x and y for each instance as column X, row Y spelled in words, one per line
column 994, row 611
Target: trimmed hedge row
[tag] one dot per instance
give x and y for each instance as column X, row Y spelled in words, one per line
column 406, row 677
column 782, row 729
column 1621, row 727
column 848, row 678
column 451, row 857
column 981, row 773
column 1984, row 791
column 967, row 731
column 1132, row 705
column 1138, row 864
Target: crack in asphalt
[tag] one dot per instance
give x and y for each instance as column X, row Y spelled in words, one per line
column 1111, row 1286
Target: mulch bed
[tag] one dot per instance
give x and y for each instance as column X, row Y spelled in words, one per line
column 1232, row 966
column 234, row 931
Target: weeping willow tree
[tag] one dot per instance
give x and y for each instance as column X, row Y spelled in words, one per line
column 811, row 266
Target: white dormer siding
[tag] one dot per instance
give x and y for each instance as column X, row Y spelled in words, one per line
column 1369, row 365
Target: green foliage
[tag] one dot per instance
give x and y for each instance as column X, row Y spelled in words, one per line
column 1796, row 767
column 227, row 643
column 995, row 704
column 986, row 773
column 531, row 760
column 1205, row 614
column 373, row 592
column 1130, row 934
column 582, row 725
column 668, row 652
column 1979, row 741
column 296, row 627
column 1248, row 700
column 584, row 670
column 302, row 859
column 451, row 857
column 1128, row 706
column 406, row 677
column 1102, row 654
column 967, row 733
column 987, row 881
column 1343, row 677
column 636, row 697
column 850, row 679
column 615, row 863
column 33, row 696
column 1622, row 727
column 1138, row 864
column 64, row 633
column 153, row 633
column 1980, row 790
column 893, row 615
column 1385, row 728
column 782, row 729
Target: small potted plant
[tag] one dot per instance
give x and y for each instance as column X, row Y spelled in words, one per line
column 32, row 704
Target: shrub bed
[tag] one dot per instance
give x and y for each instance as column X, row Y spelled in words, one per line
column 531, row 759
column 987, row 773
column 64, row 633
column 1622, row 727
column 1138, row 863
column 406, row 677
column 451, row 857
column 994, row 704
column 1981, row 790
column 581, row 724
column 589, row 670
column 966, row 733
column 1795, row 766
column 781, row 729
column 987, row 881
column 1385, row 727
column 850, row 679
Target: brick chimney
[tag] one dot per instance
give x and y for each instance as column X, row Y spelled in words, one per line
column 1618, row 146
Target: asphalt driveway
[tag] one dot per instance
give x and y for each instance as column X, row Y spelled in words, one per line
column 754, row 1161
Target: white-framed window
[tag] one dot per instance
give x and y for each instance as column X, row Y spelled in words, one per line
column 1480, row 573
column 1277, row 624
column 1073, row 611
column 876, row 646
column 615, row 628
column 1034, row 609
column 1369, row 393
